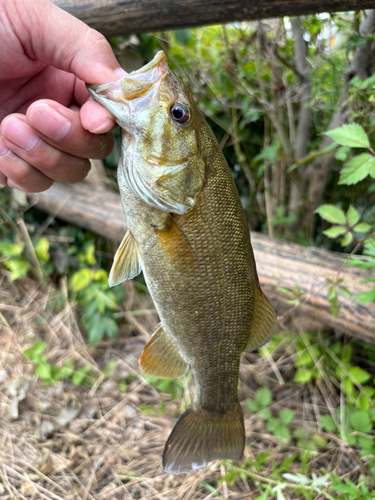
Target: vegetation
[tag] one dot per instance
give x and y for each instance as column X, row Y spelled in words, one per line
column 291, row 102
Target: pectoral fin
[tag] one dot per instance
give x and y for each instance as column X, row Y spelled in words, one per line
column 127, row 261
column 173, row 241
column 161, row 356
column 264, row 322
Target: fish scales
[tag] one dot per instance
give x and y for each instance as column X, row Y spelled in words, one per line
column 188, row 232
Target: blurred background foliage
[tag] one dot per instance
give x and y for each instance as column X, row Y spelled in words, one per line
column 257, row 85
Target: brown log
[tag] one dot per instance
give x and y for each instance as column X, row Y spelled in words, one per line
column 280, row 264
column 123, row 17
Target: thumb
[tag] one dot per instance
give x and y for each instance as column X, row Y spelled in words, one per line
column 56, row 38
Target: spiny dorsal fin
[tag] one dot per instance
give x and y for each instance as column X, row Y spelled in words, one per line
column 161, row 356
column 127, row 261
column 264, row 323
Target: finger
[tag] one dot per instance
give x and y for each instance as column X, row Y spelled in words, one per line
column 61, row 127
column 23, row 141
column 18, row 173
column 95, row 118
column 61, row 40
column 3, row 179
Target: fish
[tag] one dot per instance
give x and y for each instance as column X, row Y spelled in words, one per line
column 188, row 233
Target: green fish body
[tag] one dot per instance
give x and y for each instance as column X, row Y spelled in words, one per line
column 188, row 233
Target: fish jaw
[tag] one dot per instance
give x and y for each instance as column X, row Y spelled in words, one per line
column 110, row 97
column 134, row 93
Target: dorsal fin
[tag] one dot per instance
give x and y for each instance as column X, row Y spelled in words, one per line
column 127, row 261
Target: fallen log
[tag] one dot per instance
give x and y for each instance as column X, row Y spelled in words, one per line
column 280, row 264
column 124, row 17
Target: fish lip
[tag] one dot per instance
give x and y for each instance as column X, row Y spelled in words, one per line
column 98, row 89
column 160, row 57
column 159, row 63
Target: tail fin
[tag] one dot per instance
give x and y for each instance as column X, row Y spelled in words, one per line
column 200, row 436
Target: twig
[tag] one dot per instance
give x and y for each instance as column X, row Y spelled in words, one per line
column 31, row 251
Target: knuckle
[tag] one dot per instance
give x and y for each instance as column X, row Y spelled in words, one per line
column 105, row 145
column 84, row 168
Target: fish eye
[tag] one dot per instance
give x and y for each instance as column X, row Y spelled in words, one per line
column 179, row 112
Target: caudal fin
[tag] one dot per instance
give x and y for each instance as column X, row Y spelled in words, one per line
column 200, row 436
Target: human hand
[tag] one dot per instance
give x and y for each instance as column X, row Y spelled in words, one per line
column 48, row 126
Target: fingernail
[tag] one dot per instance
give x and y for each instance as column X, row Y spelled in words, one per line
column 104, row 127
column 121, row 72
column 50, row 122
column 18, row 132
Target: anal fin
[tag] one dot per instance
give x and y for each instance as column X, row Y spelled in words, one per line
column 127, row 261
column 264, row 323
column 161, row 356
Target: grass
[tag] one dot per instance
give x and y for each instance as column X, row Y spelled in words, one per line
column 81, row 422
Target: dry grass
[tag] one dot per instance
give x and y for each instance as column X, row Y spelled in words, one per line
column 76, row 442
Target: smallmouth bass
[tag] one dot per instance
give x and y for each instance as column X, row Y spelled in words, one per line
column 188, row 233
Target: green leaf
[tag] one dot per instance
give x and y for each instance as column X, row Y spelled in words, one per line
column 303, row 375
column 342, row 153
column 331, row 214
column 366, row 442
column 67, row 370
column 347, row 352
column 43, row 371
column 183, row 36
column 90, row 255
column 352, row 216
column 286, row 416
column 357, row 169
column 303, row 358
column 81, row 279
column 282, row 431
column 360, row 421
column 80, row 374
column 361, row 376
column 363, row 227
column 18, row 268
column 335, row 231
column 10, row 249
column 41, row 249
column 34, row 352
column 350, row 437
column 265, row 414
column 263, row 397
column 319, row 440
column 347, row 386
column 351, row 135
column 272, row 424
column 366, row 296
column 347, row 239
column 252, row 405
column 328, row 423
column 110, row 327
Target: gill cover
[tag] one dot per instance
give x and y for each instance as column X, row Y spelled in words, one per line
column 161, row 158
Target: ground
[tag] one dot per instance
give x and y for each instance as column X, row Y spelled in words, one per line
column 99, row 430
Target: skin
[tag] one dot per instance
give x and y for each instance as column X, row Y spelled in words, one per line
column 49, row 128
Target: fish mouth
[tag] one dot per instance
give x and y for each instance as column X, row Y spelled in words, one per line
column 133, row 86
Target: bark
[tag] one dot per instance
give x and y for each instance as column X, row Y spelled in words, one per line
column 362, row 65
column 298, row 181
column 279, row 264
column 120, row 17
